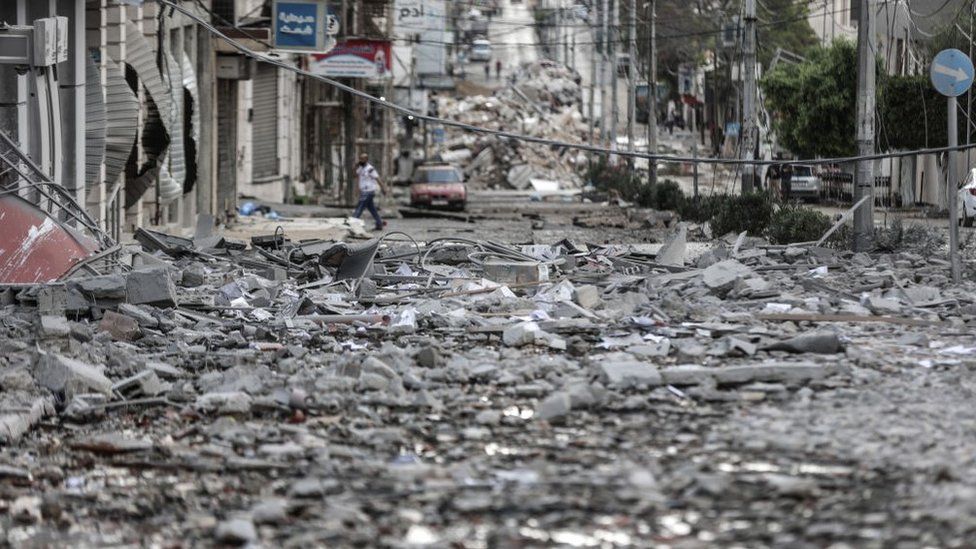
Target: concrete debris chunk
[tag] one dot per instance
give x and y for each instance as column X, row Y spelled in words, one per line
column 26, row 510
column 53, row 326
column 587, row 296
column 69, row 376
column 153, row 286
column 780, row 373
column 122, row 327
column 721, row 276
column 554, row 408
column 814, row 342
column 236, row 531
column 883, row 305
column 673, row 251
column 622, row 372
column 235, row 402
column 515, row 272
column 140, row 314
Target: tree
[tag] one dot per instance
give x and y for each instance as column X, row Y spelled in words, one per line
column 813, row 103
column 784, row 24
column 911, row 113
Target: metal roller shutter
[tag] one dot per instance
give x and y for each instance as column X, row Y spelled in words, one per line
column 120, row 132
column 177, row 162
column 94, row 123
column 264, row 123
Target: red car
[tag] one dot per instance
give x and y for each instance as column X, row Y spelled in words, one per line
column 438, row 186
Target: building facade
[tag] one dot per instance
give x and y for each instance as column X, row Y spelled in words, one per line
column 148, row 119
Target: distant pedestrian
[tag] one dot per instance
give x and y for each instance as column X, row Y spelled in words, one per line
column 369, row 183
column 786, row 181
column 498, row 69
column 487, row 71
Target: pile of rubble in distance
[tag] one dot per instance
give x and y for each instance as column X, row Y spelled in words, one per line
column 458, row 392
column 544, row 101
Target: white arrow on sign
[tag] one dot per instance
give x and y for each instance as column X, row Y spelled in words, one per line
column 958, row 74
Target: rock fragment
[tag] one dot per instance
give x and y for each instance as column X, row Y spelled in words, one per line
column 152, row 286
column 236, row 531
column 816, row 342
column 69, row 376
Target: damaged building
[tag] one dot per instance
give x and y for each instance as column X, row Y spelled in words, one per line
column 141, row 117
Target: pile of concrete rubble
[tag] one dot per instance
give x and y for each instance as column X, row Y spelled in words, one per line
column 544, row 101
column 399, row 393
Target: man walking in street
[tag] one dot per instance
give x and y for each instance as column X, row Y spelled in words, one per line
column 498, row 69
column 487, row 71
column 369, row 182
column 786, row 181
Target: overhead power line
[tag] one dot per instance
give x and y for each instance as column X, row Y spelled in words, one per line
column 528, row 138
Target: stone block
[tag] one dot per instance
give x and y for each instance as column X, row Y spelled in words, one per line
column 69, row 376
column 151, row 287
column 122, row 327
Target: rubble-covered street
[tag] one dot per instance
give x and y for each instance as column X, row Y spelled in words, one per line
column 486, row 274
column 458, row 391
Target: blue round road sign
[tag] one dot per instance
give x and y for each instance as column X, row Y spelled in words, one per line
column 951, row 72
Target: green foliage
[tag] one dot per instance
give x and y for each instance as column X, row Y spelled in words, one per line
column 754, row 213
column 815, row 101
column 749, row 212
column 794, row 34
column 911, row 112
column 667, row 195
column 625, row 181
column 701, row 209
column 794, row 223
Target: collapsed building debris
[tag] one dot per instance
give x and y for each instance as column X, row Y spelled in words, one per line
column 543, row 101
column 437, row 372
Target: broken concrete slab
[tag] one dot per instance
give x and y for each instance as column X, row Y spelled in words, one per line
column 151, row 287
column 673, row 251
column 622, row 371
column 140, row 314
column 789, row 373
column 814, row 342
column 53, row 326
column 121, row 327
column 69, row 376
column 515, row 272
column 721, row 276
column 232, row 402
column 554, row 408
column 586, row 296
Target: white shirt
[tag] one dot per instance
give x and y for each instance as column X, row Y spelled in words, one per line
column 368, row 178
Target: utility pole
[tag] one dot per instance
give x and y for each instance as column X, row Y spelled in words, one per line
column 631, row 75
column 603, row 72
column 749, row 97
column 567, row 22
column 864, row 180
column 555, row 31
column 572, row 52
column 952, row 194
column 652, row 94
column 593, row 61
column 615, row 107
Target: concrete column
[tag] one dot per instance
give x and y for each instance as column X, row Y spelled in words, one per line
column 13, row 87
column 134, row 215
column 95, row 39
column 72, row 84
column 207, row 147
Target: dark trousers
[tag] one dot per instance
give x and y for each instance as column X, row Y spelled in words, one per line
column 366, row 203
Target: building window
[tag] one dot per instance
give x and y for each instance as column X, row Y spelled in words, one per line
column 224, row 11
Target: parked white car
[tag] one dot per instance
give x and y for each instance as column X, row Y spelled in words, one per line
column 480, row 50
column 967, row 200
